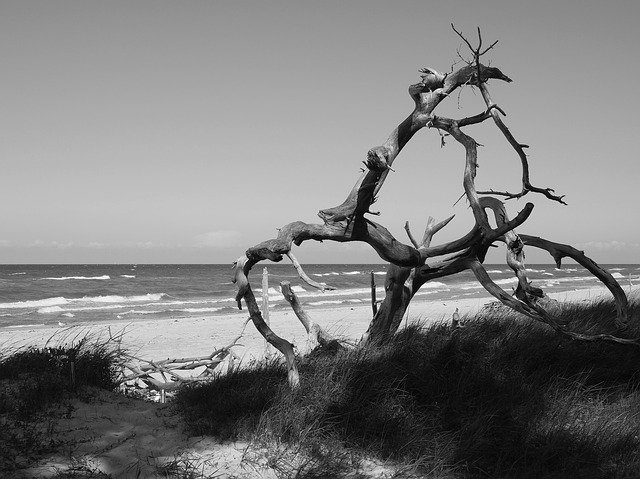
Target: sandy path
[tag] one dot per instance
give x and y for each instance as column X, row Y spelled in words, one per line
column 125, row 437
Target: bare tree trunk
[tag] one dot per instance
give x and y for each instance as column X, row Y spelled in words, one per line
column 400, row 285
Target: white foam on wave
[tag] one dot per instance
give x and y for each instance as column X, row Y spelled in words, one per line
column 332, row 273
column 341, row 292
column 35, row 303
column 494, row 271
column 14, row 274
column 50, row 309
column 617, row 269
column 352, row 272
column 69, row 315
column 85, row 301
column 127, row 275
column 274, row 294
column 617, row 275
column 506, row 281
column 198, row 310
column 471, row 286
column 548, row 274
column 320, row 303
column 423, row 293
column 534, row 270
column 122, row 299
column 165, row 311
column 63, row 278
column 434, row 285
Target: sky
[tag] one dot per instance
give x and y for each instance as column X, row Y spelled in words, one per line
column 186, row 132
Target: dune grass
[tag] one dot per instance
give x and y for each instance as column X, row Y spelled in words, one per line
column 501, row 397
column 34, row 383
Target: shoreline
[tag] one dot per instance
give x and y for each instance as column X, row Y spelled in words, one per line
column 156, row 339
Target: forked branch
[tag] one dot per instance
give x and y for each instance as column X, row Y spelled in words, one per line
column 477, row 53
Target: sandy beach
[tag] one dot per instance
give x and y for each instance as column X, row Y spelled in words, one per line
column 122, row 436
column 175, row 338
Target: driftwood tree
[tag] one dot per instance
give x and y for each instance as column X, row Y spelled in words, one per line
column 412, row 265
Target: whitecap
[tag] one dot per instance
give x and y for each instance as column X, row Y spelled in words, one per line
column 424, row 293
column 320, row 303
column 14, row 274
column 494, row 271
column 352, row 272
column 198, row 310
column 122, row 299
column 84, row 301
column 38, row 303
column 127, row 275
column 62, row 278
column 50, row 309
column 617, row 275
column 506, row 281
column 434, row 284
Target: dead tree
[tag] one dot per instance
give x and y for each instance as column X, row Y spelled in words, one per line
column 412, row 265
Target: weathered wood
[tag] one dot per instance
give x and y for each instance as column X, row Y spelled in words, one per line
column 409, row 269
column 143, row 369
column 401, row 284
column 282, row 345
column 315, row 334
column 265, row 306
column 559, row 251
column 303, row 276
column 374, row 304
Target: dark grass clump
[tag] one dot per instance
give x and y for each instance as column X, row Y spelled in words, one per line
column 231, row 406
column 35, row 377
column 34, row 386
column 501, row 397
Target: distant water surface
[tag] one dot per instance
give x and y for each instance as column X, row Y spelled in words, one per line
column 67, row 294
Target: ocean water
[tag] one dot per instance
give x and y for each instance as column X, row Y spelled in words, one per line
column 68, row 294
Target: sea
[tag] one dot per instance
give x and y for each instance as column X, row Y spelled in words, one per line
column 33, row 295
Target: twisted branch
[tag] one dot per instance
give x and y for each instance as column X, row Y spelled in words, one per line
column 477, row 52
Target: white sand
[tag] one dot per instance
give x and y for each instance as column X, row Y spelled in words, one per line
column 174, row 338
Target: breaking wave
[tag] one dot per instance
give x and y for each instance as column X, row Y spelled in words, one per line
column 63, row 278
column 85, row 301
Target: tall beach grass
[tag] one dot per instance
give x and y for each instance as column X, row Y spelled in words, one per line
column 501, row 397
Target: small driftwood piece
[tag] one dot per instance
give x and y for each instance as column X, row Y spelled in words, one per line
column 316, row 335
column 171, row 370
